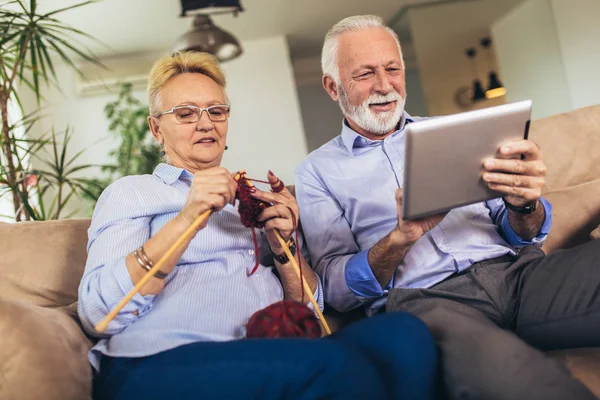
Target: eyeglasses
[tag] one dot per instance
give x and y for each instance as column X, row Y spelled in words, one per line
column 191, row 114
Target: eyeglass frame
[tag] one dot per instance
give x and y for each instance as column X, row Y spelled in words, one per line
column 199, row 112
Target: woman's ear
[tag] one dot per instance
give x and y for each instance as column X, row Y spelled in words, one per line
column 154, row 125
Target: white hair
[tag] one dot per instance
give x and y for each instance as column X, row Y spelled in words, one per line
column 329, row 54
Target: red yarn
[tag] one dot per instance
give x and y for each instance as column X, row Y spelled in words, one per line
column 280, row 186
column 250, row 209
column 285, row 318
column 298, row 250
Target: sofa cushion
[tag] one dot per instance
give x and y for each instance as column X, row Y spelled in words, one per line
column 43, row 354
column 575, row 213
column 42, row 262
column 596, row 233
column 571, row 146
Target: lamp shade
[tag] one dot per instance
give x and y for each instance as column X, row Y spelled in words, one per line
column 495, row 89
column 194, row 5
column 478, row 92
column 206, row 36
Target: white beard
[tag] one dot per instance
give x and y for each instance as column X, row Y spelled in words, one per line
column 379, row 123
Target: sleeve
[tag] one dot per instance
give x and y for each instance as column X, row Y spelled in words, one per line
column 116, row 230
column 499, row 214
column 348, row 281
column 318, row 294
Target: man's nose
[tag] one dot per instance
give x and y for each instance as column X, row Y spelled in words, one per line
column 382, row 83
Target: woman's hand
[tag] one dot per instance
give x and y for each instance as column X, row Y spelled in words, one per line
column 278, row 216
column 211, row 189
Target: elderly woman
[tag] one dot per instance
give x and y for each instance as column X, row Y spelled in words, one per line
column 181, row 336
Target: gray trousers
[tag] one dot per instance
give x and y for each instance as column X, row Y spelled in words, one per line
column 491, row 321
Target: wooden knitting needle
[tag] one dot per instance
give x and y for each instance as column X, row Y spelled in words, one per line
column 307, row 289
column 190, row 231
column 296, row 268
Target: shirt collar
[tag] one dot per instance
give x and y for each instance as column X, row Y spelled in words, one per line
column 352, row 139
column 170, row 174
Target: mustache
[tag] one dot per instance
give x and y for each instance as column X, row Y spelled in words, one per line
column 383, row 98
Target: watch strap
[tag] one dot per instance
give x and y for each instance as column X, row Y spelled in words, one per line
column 526, row 209
column 283, row 258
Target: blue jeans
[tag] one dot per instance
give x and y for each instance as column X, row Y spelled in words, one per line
column 390, row 356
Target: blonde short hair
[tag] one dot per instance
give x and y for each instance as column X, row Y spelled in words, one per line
column 180, row 63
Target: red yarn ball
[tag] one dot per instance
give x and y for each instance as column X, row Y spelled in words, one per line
column 285, row 318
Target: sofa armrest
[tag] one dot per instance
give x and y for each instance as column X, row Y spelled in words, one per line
column 584, row 365
column 43, row 354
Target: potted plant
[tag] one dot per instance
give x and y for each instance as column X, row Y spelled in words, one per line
column 30, row 44
column 137, row 152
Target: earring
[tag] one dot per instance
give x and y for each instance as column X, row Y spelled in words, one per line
column 226, row 147
column 162, row 151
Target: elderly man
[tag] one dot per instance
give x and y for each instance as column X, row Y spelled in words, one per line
column 475, row 275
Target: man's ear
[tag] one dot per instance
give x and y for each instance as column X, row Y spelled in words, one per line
column 155, row 129
column 330, row 87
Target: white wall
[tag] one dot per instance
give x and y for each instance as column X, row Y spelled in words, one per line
column 548, row 51
column 578, row 28
column 530, row 58
column 265, row 130
column 440, row 35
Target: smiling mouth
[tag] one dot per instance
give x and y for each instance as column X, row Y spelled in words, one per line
column 206, row 141
column 385, row 105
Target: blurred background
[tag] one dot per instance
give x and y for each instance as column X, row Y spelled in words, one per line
column 460, row 55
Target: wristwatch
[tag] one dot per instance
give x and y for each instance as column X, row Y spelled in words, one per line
column 283, row 258
column 526, row 209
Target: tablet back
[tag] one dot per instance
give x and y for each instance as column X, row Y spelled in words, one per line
column 444, row 156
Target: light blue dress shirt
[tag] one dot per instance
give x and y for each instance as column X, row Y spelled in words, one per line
column 209, row 296
column 346, row 193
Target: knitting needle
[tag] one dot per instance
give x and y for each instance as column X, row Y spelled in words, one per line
column 307, row 289
column 190, row 231
column 296, row 269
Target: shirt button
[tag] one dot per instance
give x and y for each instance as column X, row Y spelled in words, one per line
column 251, row 252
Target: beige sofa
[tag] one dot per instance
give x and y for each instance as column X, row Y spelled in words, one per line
column 43, row 351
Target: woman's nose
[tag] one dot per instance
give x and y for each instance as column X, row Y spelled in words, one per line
column 204, row 123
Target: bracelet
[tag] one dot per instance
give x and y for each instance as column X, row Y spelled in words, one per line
column 145, row 257
column 144, row 261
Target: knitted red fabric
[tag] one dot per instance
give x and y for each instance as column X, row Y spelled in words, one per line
column 285, row 318
column 249, row 207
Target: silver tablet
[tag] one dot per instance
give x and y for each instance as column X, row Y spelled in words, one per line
column 444, row 156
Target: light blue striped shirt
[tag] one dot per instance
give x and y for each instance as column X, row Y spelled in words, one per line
column 346, row 192
column 207, row 297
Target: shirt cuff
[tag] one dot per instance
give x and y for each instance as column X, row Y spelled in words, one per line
column 118, row 287
column 318, row 295
column 360, row 278
column 517, row 241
